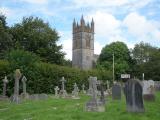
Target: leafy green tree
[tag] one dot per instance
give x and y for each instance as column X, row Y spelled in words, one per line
column 34, row 35
column 146, row 57
column 123, row 61
column 142, row 52
column 20, row 59
column 5, row 38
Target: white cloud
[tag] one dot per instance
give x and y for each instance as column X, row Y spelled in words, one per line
column 105, row 24
column 67, row 48
column 35, row 1
column 127, row 5
column 142, row 28
column 97, row 3
column 97, row 47
column 6, row 11
column 138, row 25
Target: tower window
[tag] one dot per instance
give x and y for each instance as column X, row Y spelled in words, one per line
column 88, row 39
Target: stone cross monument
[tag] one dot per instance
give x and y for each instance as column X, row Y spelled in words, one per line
column 83, row 88
column 17, row 77
column 63, row 92
column 75, row 92
column 5, row 81
column 24, row 95
column 56, row 89
column 24, row 79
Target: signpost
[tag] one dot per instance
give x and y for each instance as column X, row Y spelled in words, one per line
column 125, row 76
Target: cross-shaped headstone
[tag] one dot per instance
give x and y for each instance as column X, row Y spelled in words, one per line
column 56, row 90
column 5, row 81
column 63, row 80
column 107, row 84
column 76, row 87
column 17, row 77
column 94, row 86
column 24, row 79
column 75, row 91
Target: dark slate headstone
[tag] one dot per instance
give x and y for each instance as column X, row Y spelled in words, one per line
column 134, row 98
column 116, row 92
column 102, row 97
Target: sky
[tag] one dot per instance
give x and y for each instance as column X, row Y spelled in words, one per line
column 129, row 21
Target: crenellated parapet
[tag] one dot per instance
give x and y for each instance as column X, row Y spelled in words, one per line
column 82, row 26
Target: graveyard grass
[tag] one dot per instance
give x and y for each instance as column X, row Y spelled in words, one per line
column 69, row 109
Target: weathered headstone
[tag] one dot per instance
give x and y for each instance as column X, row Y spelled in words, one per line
column 157, row 85
column 5, row 81
column 102, row 97
column 3, row 96
column 15, row 98
column 148, row 90
column 75, row 92
column 83, row 89
column 56, row 89
column 107, row 84
column 133, row 93
column 90, row 90
column 94, row 103
column 116, row 92
column 38, row 96
column 63, row 92
column 24, row 95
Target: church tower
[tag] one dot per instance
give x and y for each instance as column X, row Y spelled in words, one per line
column 83, row 44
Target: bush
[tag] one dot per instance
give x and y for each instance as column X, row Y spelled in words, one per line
column 4, row 70
column 43, row 77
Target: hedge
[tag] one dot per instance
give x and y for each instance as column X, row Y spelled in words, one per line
column 43, row 77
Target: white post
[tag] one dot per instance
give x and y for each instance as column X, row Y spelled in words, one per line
column 113, row 67
column 143, row 76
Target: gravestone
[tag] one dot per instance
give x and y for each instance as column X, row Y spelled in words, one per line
column 83, row 89
column 38, row 96
column 56, row 89
column 116, row 92
column 5, row 81
column 94, row 104
column 3, row 96
column 148, row 90
column 107, row 84
column 63, row 92
column 15, row 98
column 157, row 85
column 133, row 93
column 90, row 90
column 75, row 92
column 102, row 97
column 24, row 95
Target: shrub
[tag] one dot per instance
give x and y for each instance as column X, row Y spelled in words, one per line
column 43, row 77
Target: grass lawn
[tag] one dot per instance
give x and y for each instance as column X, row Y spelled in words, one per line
column 69, row 109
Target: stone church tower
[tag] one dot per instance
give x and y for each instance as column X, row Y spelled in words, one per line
column 83, row 45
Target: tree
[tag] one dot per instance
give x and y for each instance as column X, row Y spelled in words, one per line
column 34, row 35
column 5, row 38
column 152, row 68
column 142, row 52
column 122, row 57
column 147, row 61
column 20, row 59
